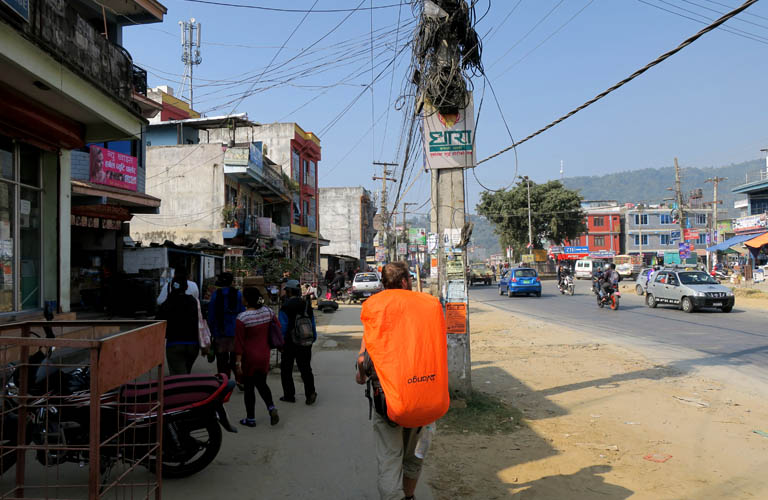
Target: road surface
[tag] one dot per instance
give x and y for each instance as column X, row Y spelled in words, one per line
column 733, row 344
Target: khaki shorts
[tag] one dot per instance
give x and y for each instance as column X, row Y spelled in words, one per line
column 395, row 454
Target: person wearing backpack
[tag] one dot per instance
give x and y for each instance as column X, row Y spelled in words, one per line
column 298, row 326
column 403, row 361
column 225, row 304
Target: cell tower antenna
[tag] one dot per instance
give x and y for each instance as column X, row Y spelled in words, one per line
column 562, row 170
column 191, row 33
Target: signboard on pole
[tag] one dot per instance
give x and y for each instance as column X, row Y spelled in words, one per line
column 456, row 317
column 691, row 234
column 381, row 254
column 684, row 250
column 432, row 243
column 674, row 236
column 417, row 235
column 402, row 248
column 449, row 140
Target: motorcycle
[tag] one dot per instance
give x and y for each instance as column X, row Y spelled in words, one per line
column 612, row 299
column 566, row 285
column 193, row 415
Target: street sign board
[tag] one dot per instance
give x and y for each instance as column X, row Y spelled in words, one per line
column 402, row 248
column 691, row 234
column 576, row 250
column 684, row 250
column 449, row 140
column 674, row 236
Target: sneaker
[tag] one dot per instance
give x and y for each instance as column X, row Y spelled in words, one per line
column 312, row 398
column 286, row 399
column 248, row 422
column 274, row 418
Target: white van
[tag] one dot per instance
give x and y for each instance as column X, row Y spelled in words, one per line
column 585, row 268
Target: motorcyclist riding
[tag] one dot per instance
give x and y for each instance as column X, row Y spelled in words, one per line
column 610, row 278
column 338, row 283
column 597, row 279
column 562, row 272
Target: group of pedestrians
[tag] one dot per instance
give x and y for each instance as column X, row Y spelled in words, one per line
column 240, row 325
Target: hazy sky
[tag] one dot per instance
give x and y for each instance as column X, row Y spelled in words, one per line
column 706, row 105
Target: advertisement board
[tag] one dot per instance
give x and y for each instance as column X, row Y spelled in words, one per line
column 449, row 140
column 539, row 255
column 381, row 254
column 749, row 223
column 417, row 235
column 402, row 248
column 111, row 168
column 691, row 234
column 456, row 317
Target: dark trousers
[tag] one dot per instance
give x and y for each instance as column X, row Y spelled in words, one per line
column 225, row 363
column 257, row 381
column 302, row 355
column 181, row 357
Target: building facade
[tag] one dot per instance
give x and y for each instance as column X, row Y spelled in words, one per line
column 65, row 83
column 604, row 221
column 347, row 223
column 651, row 231
column 754, row 218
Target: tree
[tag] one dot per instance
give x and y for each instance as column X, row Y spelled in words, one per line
column 556, row 214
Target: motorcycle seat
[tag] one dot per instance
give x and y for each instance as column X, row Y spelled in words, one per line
column 180, row 392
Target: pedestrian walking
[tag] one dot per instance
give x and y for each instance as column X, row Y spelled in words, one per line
column 404, row 362
column 180, row 311
column 294, row 309
column 226, row 303
column 252, row 354
column 181, row 273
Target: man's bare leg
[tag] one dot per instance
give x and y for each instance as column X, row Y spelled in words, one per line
column 409, row 486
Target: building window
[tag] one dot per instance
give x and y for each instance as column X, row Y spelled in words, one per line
column 702, row 240
column 598, row 221
column 665, row 219
column 296, row 210
column 304, row 211
column 666, row 239
column 638, row 239
column 599, row 240
column 306, row 176
column 312, row 174
column 758, row 206
column 701, row 219
column 641, row 219
column 295, row 166
column 20, row 223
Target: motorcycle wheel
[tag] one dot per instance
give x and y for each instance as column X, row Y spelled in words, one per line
column 614, row 302
column 571, row 290
column 210, row 448
column 599, row 302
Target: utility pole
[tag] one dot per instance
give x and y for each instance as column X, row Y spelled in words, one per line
column 384, row 214
column 530, row 226
column 713, row 219
column 679, row 197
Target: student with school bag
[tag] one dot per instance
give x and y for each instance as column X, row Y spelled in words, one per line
column 404, row 362
column 299, row 332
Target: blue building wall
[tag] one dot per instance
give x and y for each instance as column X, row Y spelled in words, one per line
column 167, row 135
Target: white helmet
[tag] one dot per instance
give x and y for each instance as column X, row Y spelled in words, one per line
column 607, row 267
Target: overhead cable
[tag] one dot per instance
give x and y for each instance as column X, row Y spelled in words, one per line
column 631, row 77
column 296, row 11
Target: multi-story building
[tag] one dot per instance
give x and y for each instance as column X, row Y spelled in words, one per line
column 604, row 229
column 754, row 218
column 67, row 83
column 651, row 231
column 347, row 223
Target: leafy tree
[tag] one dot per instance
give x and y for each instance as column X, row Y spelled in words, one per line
column 556, row 214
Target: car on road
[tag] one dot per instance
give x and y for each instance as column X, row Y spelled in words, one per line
column 688, row 290
column 520, row 280
column 642, row 280
column 585, row 267
column 480, row 273
column 364, row 285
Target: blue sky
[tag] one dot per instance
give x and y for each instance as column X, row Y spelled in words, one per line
column 705, row 105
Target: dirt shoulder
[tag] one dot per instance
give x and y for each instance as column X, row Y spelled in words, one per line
column 598, row 421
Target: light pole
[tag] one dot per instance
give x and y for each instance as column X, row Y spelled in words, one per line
column 530, row 227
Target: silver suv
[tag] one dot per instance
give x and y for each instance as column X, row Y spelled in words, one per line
column 688, row 290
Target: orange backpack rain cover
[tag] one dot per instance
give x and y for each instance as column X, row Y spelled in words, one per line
column 405, row 335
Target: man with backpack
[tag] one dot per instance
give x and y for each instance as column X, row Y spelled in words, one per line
column 226, row 303
column 404, row 362
column 298, row 325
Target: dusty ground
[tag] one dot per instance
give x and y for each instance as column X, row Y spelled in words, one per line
column 591, row 413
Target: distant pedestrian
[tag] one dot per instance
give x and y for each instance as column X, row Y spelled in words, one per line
column 182, row 341
column 252, row 354
column 292, row 309
column 226, row 303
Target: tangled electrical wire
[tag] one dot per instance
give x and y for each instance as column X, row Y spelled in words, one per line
column 447, row 52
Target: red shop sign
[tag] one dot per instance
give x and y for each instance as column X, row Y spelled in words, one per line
column 111, row 168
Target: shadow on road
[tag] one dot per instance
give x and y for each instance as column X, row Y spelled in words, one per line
column 586, row 484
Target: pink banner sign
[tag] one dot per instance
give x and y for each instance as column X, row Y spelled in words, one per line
column 111, row 168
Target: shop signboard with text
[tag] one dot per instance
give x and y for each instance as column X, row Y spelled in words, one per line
column 20, row 7
column 111, row 168
column 691, row 234
column 750, row 223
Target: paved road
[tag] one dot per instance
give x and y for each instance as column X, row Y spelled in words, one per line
column 737, row 340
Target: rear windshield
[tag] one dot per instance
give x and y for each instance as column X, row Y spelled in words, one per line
column 366, row 278
column 525, row 273
column 696, row 278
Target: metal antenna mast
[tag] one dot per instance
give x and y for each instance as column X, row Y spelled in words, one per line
column 190, row 55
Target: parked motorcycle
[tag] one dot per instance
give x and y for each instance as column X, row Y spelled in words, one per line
column 193, row 414
column 612, row 298
column 566, row 285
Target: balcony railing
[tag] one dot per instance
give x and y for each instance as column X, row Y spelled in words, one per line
column 139, row 80
column 58, row 29
column 761, row 175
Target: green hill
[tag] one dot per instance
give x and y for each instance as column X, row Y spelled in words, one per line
column 650, row 184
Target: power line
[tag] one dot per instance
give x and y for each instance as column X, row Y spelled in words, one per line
column 631, row 77
column 721, row 13
column 298, row 11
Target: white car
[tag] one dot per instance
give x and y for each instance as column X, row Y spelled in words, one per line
column 364, row 285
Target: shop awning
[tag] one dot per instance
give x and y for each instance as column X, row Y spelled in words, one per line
column 725, row 245
column 137, row 203
column 758, row 241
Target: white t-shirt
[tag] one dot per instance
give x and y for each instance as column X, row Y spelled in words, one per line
column 191, row 290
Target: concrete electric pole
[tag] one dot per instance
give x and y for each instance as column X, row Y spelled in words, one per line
column 384, row 212
column 713, row 219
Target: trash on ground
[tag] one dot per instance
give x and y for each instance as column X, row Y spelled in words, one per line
column 657, row 457
column 692, row 401
column 761, row 433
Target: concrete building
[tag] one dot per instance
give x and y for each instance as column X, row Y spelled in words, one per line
column 347, row 223
column 755, row 220
column 651, row 231
column 229, row 195
column 67, row 83
column 604, row 220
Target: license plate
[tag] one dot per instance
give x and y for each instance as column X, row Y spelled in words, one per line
column 717, row 303
column 367, row 294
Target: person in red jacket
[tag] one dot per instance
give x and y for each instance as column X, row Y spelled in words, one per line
column 252, row 354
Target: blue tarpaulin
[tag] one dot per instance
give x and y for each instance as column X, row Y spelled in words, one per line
column 740, row 238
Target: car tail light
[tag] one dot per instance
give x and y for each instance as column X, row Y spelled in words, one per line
column 537, row 280
column 513, row 280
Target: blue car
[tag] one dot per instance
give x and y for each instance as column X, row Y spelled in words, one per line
column 520, row 280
